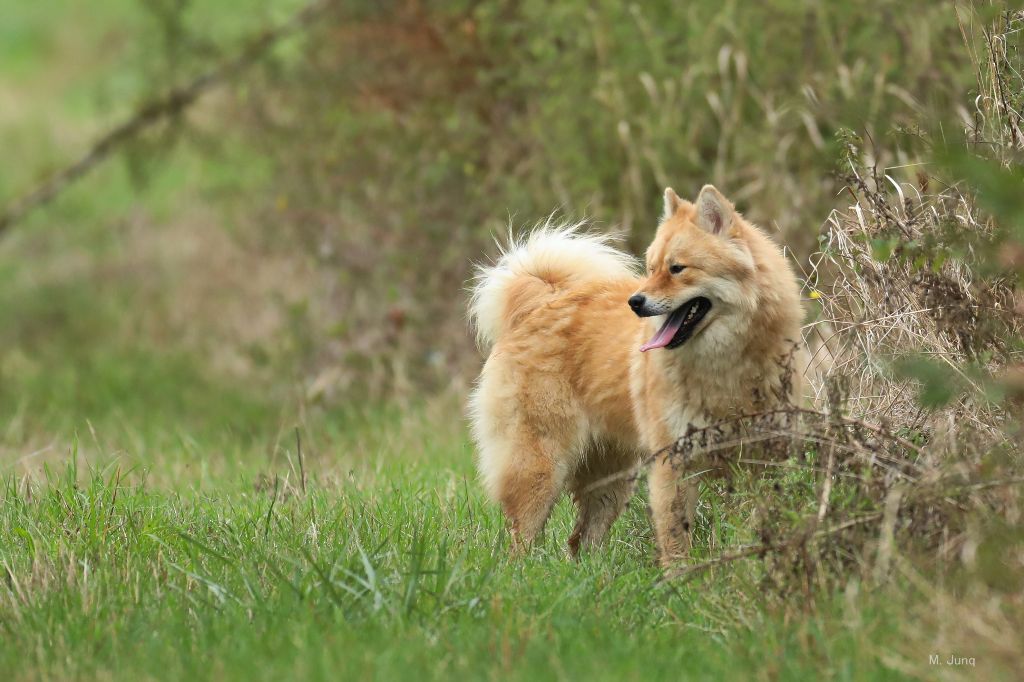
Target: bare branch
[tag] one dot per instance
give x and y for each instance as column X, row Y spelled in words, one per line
column 166, row 106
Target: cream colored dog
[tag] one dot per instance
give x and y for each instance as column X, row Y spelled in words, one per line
column 592, row 366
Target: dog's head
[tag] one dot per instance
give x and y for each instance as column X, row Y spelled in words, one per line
column 698, row 270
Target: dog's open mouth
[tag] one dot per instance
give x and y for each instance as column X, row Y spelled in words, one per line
column 679, row 325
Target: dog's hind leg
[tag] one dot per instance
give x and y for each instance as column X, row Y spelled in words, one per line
column 525, row 471
column 529, row 487
column 527, row 428
column 599, row 495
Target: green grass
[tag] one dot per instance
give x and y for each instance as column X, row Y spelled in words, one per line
column 398, row 571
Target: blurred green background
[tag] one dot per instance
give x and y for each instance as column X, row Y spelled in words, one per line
column 295, row 246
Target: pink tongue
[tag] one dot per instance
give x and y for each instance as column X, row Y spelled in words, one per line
column 665, row 334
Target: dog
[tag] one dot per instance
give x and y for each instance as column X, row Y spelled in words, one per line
column 594, row 363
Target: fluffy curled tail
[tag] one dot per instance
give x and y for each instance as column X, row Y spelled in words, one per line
column 528, row 268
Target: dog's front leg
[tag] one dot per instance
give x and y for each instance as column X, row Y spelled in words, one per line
column 673, row 509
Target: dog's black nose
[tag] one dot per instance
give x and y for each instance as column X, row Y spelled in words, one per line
column 636, row 302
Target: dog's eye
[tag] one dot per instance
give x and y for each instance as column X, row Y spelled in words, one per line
column 676, row 269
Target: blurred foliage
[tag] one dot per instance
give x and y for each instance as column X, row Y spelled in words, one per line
column 406, row 134
column 310, row 229
column 471, row 112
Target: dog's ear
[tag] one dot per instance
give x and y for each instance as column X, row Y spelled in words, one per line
column 715, row 214
column 672, row 203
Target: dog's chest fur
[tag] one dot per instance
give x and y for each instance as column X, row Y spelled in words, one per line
column 673, row 392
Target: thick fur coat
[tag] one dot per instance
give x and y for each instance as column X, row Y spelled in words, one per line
column 594, row 362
